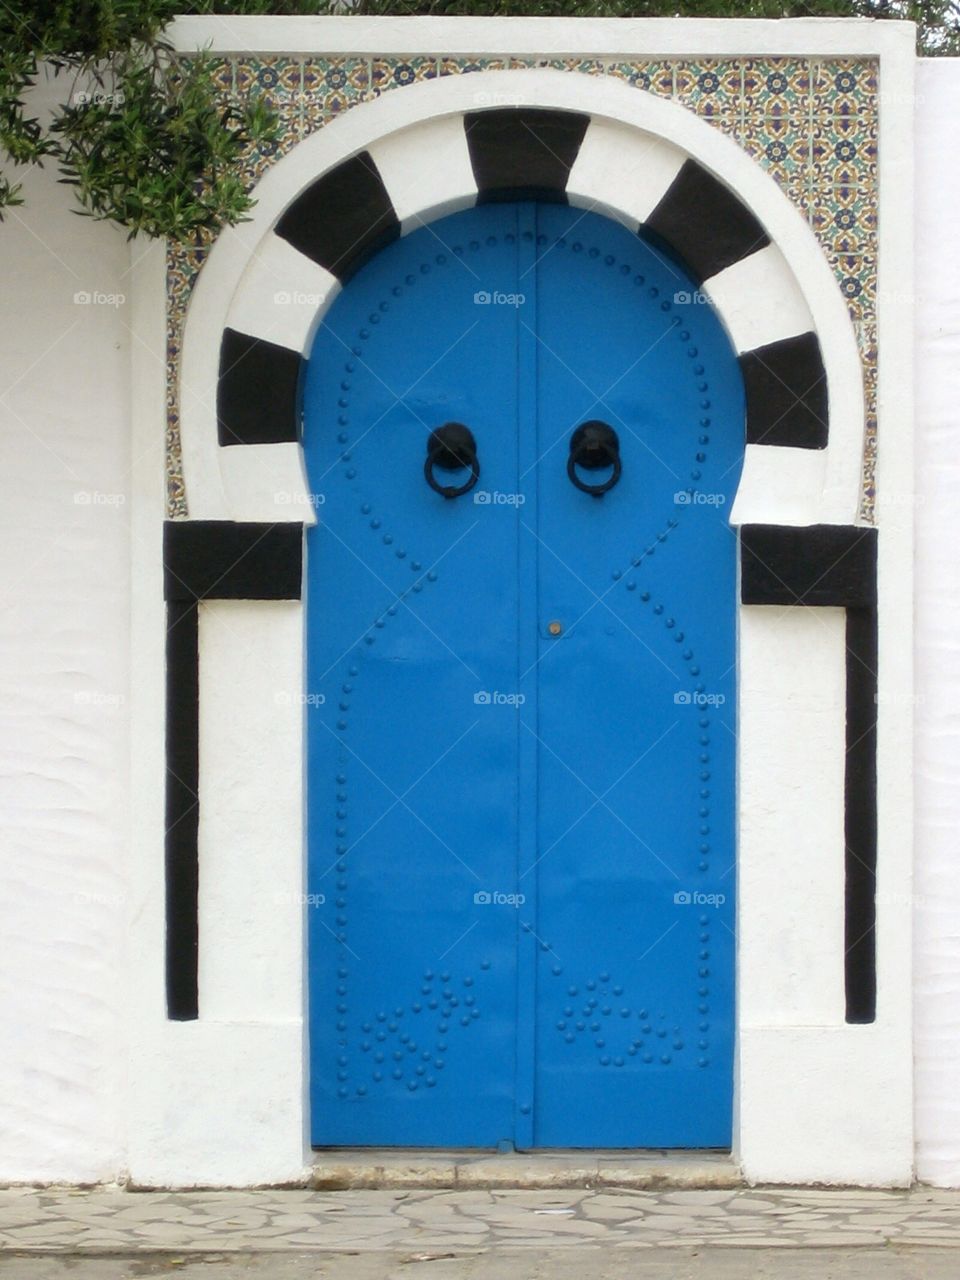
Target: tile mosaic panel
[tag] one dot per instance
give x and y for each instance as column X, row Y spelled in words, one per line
column 810, row 123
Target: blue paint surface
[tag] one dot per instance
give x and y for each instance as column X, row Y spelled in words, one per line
column 522, row 844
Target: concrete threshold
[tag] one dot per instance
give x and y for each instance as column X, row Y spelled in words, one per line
column 340, row 1169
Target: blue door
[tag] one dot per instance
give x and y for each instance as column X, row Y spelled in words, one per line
column 521, row 699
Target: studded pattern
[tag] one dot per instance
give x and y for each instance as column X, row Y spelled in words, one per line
column 405, row 1048
column 649, row 1037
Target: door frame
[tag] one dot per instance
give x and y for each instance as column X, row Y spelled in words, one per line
column 830, row 1069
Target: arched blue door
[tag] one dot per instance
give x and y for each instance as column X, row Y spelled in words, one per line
column 521, row 701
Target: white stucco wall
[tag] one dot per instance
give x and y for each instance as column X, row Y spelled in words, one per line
column 937, row 872
column 64, row 693
column 81, row 986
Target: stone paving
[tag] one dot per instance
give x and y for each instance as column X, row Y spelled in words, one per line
column 75, row 1222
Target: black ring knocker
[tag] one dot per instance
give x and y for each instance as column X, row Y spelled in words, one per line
column 594, row 446
column 451, row 448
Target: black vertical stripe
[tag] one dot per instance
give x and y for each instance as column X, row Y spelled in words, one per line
column 182, row 809
column 860, row 825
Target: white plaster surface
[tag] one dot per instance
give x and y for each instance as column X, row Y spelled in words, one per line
column 64, row 693
column 280, row 294
column 621, row 172
column 426, row 168
column 250, row 846
column 937, row 883
column 790, row 904
column 759, row 300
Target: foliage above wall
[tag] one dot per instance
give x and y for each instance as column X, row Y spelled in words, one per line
column 146, row 142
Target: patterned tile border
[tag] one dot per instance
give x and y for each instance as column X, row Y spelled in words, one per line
column 811, row 123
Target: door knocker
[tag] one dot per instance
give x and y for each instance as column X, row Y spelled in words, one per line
column 594, row 446
column 451, row 448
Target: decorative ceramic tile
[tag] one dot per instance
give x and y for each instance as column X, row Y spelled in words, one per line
column 810, row 123
column 774, row 85
column 849, row 83
column 584, row 66
column 331, row 86
column 275, row 80
column 183, row 267
column 655, row 77
column 845, row 221
column 463, row 66
column 710, row 83
column 780, row 144
column 845, row 158
column 395, row 73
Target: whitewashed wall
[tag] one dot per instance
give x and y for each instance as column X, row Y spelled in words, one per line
column 64, row 695
column 937, row 870
column 70, row 1108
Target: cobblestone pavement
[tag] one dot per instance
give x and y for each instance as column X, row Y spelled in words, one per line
column 682, row 1263
column 464, row 1222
